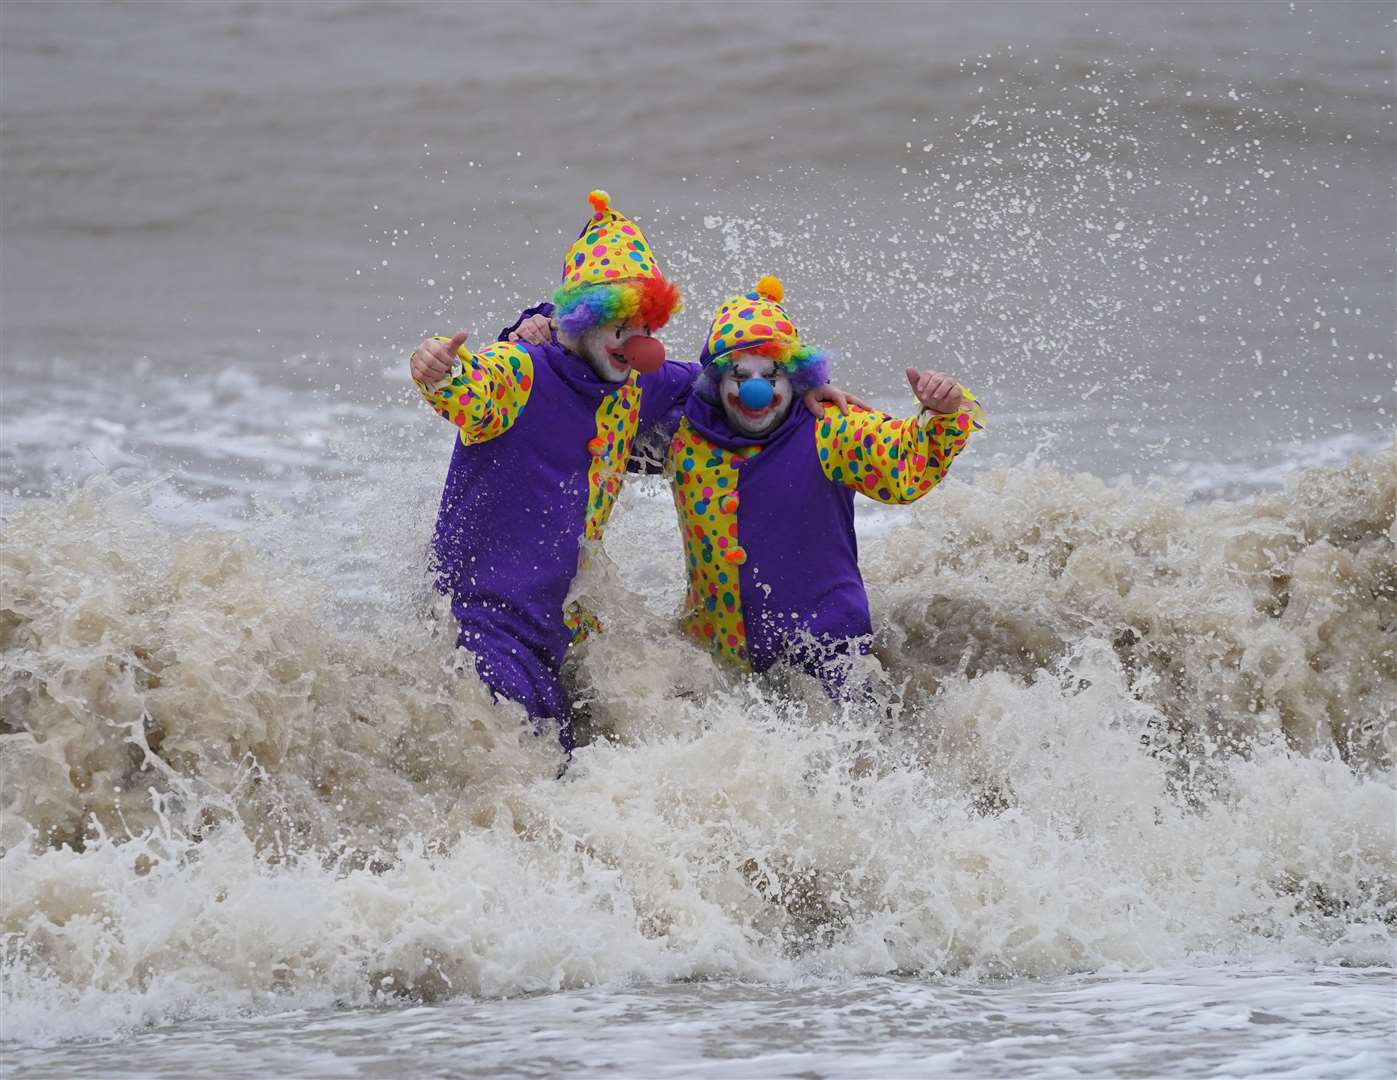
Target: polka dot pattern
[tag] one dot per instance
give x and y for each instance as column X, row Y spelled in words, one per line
column 704, row 479
column 888, row 459
column 618, row 417
column 582, row 621
column 486, row 392
column 748, row 320
column 611, row 247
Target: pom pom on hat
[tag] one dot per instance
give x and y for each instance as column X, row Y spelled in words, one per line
column 610, row 274
column 609, row 248
column 771, row 288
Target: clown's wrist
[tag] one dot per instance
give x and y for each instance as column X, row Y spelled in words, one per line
column 458, row 368
column 927, row 414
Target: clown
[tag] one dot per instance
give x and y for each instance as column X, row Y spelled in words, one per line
column 765, row 493
column 545, row 427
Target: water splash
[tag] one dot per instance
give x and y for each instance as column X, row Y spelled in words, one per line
column 1119, row 730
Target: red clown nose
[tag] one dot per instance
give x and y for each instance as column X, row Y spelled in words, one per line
column 645, row 354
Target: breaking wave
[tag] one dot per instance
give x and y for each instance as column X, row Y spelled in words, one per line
column 1115, row 729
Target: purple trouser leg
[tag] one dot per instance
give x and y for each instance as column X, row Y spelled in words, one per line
column 833, row 661
column 513, row 513
column 522, row 677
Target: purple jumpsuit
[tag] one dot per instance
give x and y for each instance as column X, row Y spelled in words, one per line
column 544, row 442
column 768, row 524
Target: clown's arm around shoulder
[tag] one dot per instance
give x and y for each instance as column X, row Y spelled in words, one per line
column 890, row 459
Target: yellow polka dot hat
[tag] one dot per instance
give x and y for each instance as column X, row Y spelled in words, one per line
column 611, row 275
column 755, row 322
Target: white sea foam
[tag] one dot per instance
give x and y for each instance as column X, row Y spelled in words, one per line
column 1119, row 730
column 1198, row 1021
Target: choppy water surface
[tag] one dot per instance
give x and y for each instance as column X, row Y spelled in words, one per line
column 1159, row 239
column 1200, row 1022
column 1125, row 804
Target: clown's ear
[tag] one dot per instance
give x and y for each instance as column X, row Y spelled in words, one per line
column 771, row 288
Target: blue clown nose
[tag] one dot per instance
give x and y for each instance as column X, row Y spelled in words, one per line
column 755, row 394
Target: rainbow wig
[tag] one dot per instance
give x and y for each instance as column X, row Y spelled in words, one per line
column 650, row 300
column 806, row 367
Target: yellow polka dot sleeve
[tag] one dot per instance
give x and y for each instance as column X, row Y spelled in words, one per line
column 889, row 459
column 485, row 392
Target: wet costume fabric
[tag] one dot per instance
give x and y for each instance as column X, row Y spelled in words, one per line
column 768, row 522
column 542, row 449
column 543, row 444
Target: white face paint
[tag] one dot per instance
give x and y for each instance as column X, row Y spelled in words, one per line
column 754, row 422
column 601, row 348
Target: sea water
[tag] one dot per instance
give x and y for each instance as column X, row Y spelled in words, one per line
column 1124, row 802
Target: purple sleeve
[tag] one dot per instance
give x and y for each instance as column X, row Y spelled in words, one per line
column 542, row 309
column 663, row 397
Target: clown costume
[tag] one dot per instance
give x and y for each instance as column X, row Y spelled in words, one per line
column 768, row 515
column 544, row 436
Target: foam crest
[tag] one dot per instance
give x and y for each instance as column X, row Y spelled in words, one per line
column 142, row 659
column 1116, row 729
column 1237, row 621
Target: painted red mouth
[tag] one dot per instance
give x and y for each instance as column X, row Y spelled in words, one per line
column 753, row 414
column 618, row 360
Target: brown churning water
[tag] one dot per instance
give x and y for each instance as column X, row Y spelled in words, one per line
column 1122, row 724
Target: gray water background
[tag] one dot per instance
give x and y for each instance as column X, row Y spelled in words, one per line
column 293, row 194
column 1170, row 1023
